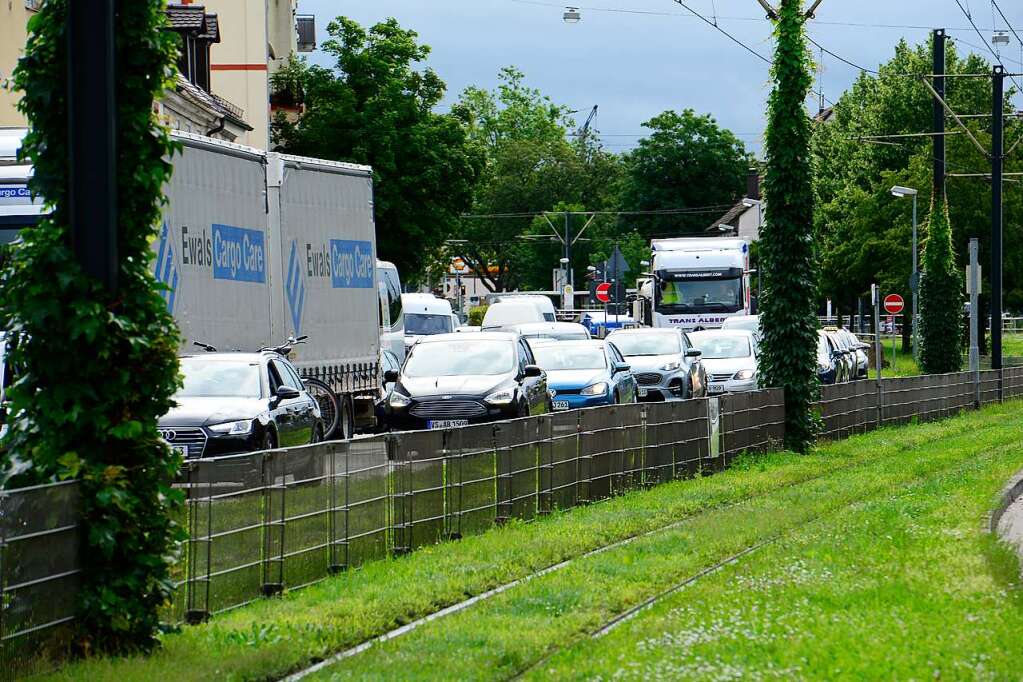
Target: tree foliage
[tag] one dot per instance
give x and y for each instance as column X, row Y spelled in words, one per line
column 941, row 298
column 686, row 161
column 531, row 167
column 375, row 107
column 96, row 370
column 865, row 234
column 788, row 298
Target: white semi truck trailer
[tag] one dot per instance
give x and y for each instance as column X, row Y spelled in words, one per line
column 258, row 247
column 697, row 282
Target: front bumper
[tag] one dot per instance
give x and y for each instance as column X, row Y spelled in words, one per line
column 669, row 385
column 199, row 442
column 576, row 401
column 731, row 386
column 402, row 419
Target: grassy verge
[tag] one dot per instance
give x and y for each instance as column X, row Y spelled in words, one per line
column 517, row 629
column 905, row 587
column 270, row 638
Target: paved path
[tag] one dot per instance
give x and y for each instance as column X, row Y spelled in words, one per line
column 1010, row 527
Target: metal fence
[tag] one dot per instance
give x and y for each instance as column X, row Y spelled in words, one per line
column 263, row 522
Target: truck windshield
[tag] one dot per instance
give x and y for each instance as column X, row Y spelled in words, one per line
column 422, row 324
column 711, row 295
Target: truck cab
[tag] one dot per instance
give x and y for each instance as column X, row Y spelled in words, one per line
column 697, row 283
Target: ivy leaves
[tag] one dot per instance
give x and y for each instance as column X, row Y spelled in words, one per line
column 96, row 371
column 941, row 298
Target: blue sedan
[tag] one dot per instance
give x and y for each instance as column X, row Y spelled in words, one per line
column 585, row 373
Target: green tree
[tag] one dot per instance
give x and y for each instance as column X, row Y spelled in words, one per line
column 95, row 370
column 375, row 107
column 531, row 167
column 941, row 298
column 788, row 299
column 686, row 161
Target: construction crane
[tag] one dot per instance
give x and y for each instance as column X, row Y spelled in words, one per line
column 584, row 131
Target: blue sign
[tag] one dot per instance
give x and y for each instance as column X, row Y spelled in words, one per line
column 239, row 254
column 294, row 288
column 351, row 264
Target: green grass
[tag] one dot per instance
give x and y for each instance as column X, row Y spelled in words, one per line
column 516, row 630
column 905, row 586
column 272, row 637
column 905, row 365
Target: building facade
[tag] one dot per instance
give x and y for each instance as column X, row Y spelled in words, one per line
column 229, row 50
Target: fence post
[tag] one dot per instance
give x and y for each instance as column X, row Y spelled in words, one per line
column 273, row 526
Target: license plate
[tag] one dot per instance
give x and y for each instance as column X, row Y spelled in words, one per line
column 716, row 388
column 560, row 404
column 180, row 449
column 643, row 392
column 446, row 423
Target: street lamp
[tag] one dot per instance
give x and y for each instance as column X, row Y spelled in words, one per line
column 914, row 280
column 572, row 15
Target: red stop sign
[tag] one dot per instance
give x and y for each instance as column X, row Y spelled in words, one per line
column 893, row 304
column 603, row 292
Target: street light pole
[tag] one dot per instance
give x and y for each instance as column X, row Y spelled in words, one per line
column 914, row 281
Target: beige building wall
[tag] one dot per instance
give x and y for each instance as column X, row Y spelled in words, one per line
column 13, row 22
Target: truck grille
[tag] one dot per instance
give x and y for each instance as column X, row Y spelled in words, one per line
column 192, row 438
column 721, row 377
column 448, row 409
column 648, row 378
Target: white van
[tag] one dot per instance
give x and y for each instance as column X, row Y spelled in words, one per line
column 392, row 320
column 542, row 303
column 514, row 311
column 426, row 315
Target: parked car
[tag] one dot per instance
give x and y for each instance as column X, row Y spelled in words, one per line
column 664, row 362
column 543, row 303
column 730, row 356
column 848, row 354
column 452, row 380
column 585, row 373
column 240, row 402
column 859, row 351
column 504, row 314
column 557, row 331
column 830, row 363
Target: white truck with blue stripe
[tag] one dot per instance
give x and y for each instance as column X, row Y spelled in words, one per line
column 256, row 247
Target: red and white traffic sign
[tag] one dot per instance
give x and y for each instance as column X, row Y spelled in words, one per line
column 893, row 304
column 603, row 292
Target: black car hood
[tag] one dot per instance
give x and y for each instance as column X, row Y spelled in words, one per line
column 475, row 385
column 206, row 411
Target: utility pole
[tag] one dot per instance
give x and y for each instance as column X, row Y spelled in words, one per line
column 973, row 288
column 997, row 160
column 92, row 139
column 938, row 53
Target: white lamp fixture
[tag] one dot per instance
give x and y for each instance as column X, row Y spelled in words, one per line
column 572, row 15
column 1000, row 38
column 899, row 191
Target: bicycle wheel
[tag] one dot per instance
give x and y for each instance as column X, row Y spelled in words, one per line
column 329, row 408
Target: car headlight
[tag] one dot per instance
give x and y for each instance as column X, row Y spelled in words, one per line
column 398, row 400
column 502, row 397
column 599, row 388
column 238, row 428
column 745, row 374
column 671, row 366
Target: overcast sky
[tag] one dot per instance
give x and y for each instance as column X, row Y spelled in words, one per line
column 637, row 58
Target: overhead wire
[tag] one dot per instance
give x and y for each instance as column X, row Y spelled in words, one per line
column 998, row 59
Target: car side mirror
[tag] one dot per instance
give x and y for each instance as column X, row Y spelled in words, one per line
column 622, row 367
column 287, row 393
column 390, row 376
column 837, row 354
column 532, row 371
column 694, row 353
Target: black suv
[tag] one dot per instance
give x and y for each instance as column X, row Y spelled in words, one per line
column 240, row 402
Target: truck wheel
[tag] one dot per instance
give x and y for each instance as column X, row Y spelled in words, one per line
column 346, row 425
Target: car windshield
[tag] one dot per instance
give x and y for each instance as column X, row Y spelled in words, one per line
column 555, row 357
column 422, row 324
column 711, row 295
column 823, row 352
column 638, row 345
column 460, row 358
column 211, row 378
column 722, row 347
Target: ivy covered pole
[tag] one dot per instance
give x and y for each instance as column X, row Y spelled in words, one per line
column 788, row 300
column 941, row 297
column 95, row 350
